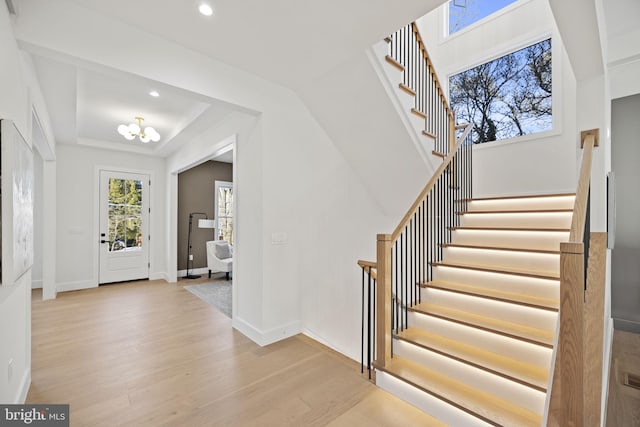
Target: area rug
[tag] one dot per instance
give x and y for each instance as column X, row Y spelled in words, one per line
column 217, row 293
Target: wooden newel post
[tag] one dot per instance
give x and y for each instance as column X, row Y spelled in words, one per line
column 571, row 345
column 383, row 305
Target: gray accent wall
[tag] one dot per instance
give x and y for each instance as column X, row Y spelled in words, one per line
column 625, row 257
column 196, row 188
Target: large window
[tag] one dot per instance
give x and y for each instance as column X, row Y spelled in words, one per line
column 463, row 13
column 507, row 97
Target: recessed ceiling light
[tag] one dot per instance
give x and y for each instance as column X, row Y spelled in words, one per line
column 154, row 93
column 205, row 9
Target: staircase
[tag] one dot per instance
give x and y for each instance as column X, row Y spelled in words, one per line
column 481, row 340
column 461, row 308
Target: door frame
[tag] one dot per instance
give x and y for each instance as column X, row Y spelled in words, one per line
column 181, row 165
column 96, row 216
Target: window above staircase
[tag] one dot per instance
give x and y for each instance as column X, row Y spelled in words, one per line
column 465, row 13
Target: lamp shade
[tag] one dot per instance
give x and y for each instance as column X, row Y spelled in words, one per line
column 206, row 223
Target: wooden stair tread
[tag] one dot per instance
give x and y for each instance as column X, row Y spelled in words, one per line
column 514, row 370
column 428, row 134
column 490, row 324
column 498, row 248
column 524, row 211
column 419, row 113
column 439, row 154
column 495, row 294
column 535, row 196
column 501, row 270
column 395, row 63
column 476, row 402
column 552, row 230
column 407, row 89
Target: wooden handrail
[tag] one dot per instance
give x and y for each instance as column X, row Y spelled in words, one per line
column 363, row 263
column 432, row 70
column 589, row 140
column 427, row 188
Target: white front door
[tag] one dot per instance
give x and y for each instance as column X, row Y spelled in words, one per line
column 124, row 226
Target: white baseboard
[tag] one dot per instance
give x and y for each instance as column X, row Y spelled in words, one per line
column 627, row 325
column 282, row 332
column 247, row 330
column 76, row 286
column 315, row 337
column 159, row 276
column 21, row 397
column 263, row 338
column 36, row 284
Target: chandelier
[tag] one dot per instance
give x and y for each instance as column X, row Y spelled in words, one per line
column 132, row 130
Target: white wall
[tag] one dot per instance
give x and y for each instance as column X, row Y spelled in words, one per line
column 15, row 298
column 353, row 104
column 532, row 164
column 77, row 212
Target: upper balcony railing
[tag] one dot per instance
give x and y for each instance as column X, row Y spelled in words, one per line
column 407, row 48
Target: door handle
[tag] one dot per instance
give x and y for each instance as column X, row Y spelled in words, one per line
column 103, row 241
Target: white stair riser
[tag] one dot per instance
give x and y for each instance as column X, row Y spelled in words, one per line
column 532, row 203
column 516, row 349
column 541, row 319
column 537, row 240
column 417, row 122
column 527, row 261
column 429, row 404
column 504, row 282
column 502, row 388
column 407, row 101
column 524, row 220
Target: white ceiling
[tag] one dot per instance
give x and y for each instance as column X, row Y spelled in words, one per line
column 622, row 17
column 86, row 105
column 104, row 101
column 290, row 42
column 286, row 41
column 623, row 31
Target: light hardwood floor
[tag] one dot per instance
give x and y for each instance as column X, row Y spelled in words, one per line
column 623, row 406
column 151, row 353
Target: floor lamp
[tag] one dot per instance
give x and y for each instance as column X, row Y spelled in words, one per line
column 202, row 223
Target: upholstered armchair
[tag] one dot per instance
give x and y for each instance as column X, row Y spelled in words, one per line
column 219, row 257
